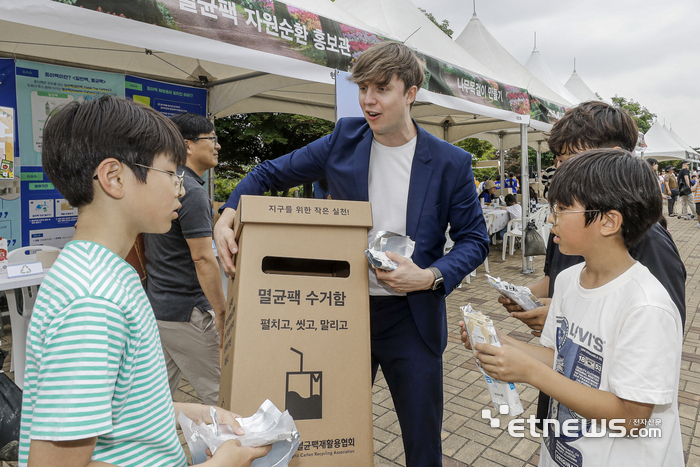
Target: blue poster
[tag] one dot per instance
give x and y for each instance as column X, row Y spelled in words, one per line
column 168, row 99
column 47, row 218
column 10, row 211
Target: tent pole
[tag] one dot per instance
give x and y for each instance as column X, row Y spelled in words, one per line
column 525, row 190
column 538, row 174
column 502, row 164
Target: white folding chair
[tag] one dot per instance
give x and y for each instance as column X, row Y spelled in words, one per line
column 21, row 303
column 515, row 230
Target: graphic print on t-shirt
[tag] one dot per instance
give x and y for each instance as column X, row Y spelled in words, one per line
column 583, row 365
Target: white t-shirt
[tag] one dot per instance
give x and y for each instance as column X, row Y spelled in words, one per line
column 514, row 212
column 389, row 178
column 626, row 338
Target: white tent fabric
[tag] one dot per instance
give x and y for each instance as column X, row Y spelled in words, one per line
column 692, row 153
column 579, row 89
column 537, row 66
column 478, row 41
column 662, row 145
column 242, row 79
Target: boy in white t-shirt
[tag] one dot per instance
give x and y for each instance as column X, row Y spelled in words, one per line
column 612, row 339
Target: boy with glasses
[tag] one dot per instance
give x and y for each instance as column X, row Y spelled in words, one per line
column 612, row 340
column 184, row 281
column 96, row 389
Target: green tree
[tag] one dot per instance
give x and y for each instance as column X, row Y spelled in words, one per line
column 249, row 139
column 641, row 115
column 444, row 26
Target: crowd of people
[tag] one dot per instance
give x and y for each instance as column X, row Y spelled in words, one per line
column 613, row 291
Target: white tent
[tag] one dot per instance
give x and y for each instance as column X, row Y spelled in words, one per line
column 579, row 88
column 241, row 79
column 537, row 66
column 478, row 41
column 662, row 145
column 692, row 153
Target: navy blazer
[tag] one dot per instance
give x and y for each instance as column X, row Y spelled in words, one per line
column 441, row 192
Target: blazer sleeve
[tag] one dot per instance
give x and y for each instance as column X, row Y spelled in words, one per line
column 467, row 230
column 304, row 165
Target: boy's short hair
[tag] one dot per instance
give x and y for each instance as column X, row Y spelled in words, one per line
column 79, row 136
column 381, row 62
column 593, row 124
column 651, row 161
column 510, row 200
column 610, row 179
column 192, row 125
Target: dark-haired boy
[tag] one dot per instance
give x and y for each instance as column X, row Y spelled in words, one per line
column 184, row 280
column 96, row 388
column 593, row 125
column 613, row 336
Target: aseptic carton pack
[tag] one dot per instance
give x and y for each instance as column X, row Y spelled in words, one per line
column 297, row 324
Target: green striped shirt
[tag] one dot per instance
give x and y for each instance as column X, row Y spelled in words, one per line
column 95, row 365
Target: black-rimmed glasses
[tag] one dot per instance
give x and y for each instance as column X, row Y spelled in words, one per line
column 215, row 138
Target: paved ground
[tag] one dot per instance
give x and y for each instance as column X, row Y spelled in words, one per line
column 470, row 441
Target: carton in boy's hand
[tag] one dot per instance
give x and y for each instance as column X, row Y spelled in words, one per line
column 388, row 241
column 481, row 331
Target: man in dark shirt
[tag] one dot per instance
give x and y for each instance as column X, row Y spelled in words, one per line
column 686, row 196
column 598, row 125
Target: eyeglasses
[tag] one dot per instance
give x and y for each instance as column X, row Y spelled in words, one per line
column 215, row 138
column 179, row 179
column 556, row 212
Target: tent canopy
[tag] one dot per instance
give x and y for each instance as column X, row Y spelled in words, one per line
column 662, row 145
column 579, row 89
column 537, row 66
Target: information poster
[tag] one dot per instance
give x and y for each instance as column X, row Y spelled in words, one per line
column 168, row 99
column 47, row 218
column 10, row 210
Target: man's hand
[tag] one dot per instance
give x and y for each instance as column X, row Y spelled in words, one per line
column 534, row 318
column 225, row 240
column 407, row 277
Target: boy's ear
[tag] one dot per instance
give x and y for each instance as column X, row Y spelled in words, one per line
column 110, row 177
column 611, row 224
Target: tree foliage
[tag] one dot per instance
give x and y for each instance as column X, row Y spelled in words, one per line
column 643, row 117
column 249, row 139
column 444, row 26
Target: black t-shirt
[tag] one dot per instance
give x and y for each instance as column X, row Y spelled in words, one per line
column 656, row 250
column 681, row 177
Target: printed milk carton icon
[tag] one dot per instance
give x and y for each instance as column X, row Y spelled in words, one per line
column 304, row 393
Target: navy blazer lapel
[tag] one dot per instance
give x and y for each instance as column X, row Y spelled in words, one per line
column 420, row 179
column 360, row 167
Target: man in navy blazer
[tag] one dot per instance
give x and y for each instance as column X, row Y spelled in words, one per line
column 418, row 186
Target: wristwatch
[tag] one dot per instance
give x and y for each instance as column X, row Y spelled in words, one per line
column 438, row 278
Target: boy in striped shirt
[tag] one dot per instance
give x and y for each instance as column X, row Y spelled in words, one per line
column 96, row 389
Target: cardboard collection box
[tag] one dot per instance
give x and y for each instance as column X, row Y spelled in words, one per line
column 297, row 324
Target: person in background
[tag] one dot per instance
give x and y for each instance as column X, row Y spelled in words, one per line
column 481, row 185
column 498, row 182
column 685, row 192
column 515, row 211
column 184, row 279
column 489, row 193
column 512, row 183
column 96, row 387
column 671, row 187
column 321, row 190
column 696, row 200
column 533, row 200
column 547, row 175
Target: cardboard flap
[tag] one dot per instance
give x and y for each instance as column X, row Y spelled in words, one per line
column 301, row 211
